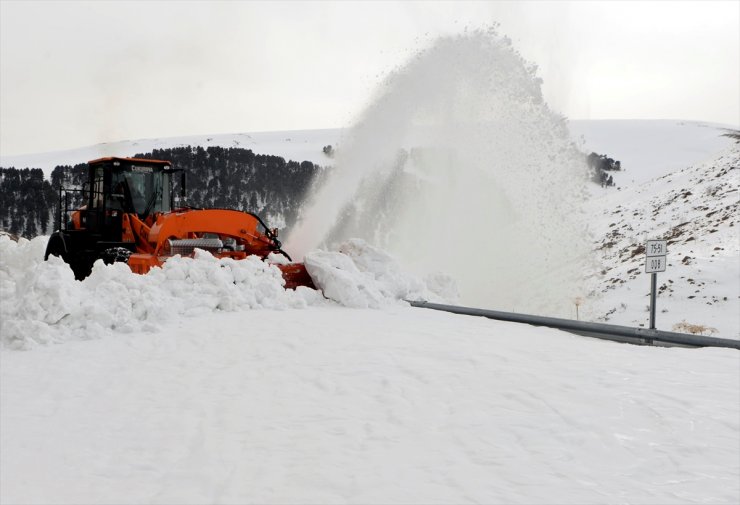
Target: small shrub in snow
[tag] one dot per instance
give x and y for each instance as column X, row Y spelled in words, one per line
column 694, row 329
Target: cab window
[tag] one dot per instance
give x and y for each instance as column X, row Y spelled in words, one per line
column 97, row 188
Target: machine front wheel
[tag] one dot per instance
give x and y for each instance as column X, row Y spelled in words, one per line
column 115, row 255
column 56, row 247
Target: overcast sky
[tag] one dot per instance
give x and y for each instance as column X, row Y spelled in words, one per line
column 80, row 73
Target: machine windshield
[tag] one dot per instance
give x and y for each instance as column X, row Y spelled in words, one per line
column 147, row 189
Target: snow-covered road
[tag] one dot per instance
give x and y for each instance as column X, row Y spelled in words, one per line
column 337, row 405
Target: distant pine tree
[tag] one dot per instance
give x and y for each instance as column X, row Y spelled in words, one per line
column 599, row 165
column 237, row 178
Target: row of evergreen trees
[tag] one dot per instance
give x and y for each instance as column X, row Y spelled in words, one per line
column 600, row 165
column 219, row 177
column 216, row 177
column 27, row 201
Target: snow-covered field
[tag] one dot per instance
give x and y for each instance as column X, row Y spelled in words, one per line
column 167, row 388
column 205, row 382
column 336, row 405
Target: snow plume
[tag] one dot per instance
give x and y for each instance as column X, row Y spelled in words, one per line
column 459, row 165
column 41, row 302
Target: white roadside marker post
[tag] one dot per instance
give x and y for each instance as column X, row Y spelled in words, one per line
column 655, row 253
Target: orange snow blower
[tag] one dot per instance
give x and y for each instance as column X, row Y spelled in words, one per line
column 129, row 215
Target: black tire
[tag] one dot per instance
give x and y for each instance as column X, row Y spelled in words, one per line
column 115, row 255
column 81, row 266
column 56, row 247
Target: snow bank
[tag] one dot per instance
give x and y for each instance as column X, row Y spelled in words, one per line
column 43, row 303
column 362, row 276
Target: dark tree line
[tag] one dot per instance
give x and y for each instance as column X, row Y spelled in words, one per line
column 26, row 202
column 222, row 177
column 600, row 166
column 234, row 178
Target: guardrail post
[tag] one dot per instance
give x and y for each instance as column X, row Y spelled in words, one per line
column 653, row 296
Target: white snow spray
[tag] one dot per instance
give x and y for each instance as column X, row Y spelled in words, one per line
column 458, row 166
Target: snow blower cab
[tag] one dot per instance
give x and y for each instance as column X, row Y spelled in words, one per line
column 135, row 187
column 128, row 214
column 120, row 186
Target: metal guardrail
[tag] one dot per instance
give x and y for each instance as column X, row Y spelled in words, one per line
column 640, row 336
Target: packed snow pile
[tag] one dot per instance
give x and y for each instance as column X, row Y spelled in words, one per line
column 362, row 276
column 42, row 302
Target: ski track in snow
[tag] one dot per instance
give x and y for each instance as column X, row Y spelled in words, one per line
column 335, row 405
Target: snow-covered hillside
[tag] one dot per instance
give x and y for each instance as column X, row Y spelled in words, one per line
column 298, row 145
column 647, row 148
column 696, row 210
column 336, row 405
column 651, row 148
